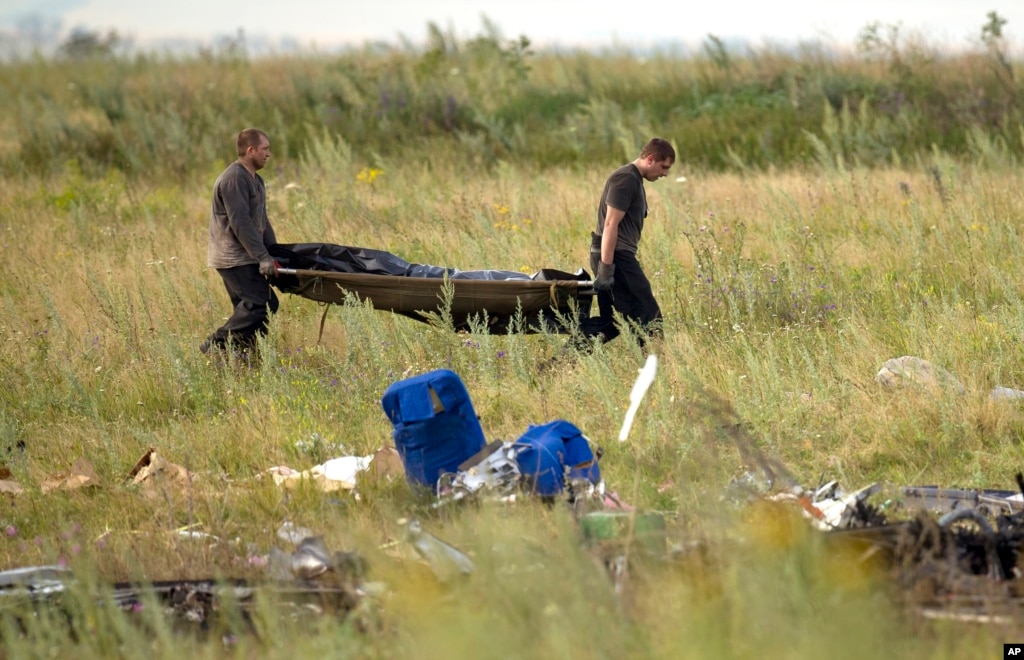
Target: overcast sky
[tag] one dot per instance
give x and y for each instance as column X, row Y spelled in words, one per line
column 328, row 23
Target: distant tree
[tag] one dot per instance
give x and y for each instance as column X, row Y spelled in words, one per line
column 84, row 44
column 995, row 42
column 992, row 32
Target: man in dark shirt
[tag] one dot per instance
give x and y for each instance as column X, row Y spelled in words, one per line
column 618, row 279
column 240, row 233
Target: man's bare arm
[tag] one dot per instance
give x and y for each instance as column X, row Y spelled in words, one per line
column 610, row 235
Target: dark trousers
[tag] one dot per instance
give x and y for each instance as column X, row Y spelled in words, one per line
column 253, row 299
column 631, row 296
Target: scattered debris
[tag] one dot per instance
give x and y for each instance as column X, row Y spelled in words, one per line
column 153, row 472
column 9, row 487
column 81, row 475
column 493, row 470
column 642, row 531
column 341, row 473
column 289, row 532
column 944, row 500
column 948, row 547
column 333, row 475
column 34, row 580
column 312, row 559
column 951, row 552
column 546, row 461
column 636, row 395
column 442, row 446
column 316, row 582
column 832, row 508
column 444, row 560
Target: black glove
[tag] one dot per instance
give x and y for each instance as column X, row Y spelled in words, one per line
column 268, row 268
column 605, row 277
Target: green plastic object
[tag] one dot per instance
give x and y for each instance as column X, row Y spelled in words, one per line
column 645, row 530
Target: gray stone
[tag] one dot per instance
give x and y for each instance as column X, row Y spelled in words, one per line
column 906, row 370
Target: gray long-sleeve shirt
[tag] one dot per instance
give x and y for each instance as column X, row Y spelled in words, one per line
column 240, row 230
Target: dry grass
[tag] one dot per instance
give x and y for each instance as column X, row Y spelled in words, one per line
column 106, row 297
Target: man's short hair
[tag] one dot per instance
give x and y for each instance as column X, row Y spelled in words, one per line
column 660, row 149
column 250, row 137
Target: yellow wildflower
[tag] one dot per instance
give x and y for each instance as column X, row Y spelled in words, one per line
column 368, row 174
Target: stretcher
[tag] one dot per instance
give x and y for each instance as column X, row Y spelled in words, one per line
column 498, row 300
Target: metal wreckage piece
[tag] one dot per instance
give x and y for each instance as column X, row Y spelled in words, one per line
column 830, row 507
column 494, row 472
column 955, row 553
column 309, row 581
column 35, row 581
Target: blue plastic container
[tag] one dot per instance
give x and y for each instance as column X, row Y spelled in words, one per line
column 435, row 425
column 553, row 451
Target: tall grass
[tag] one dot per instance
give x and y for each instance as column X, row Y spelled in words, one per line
column 494, row 100
column 784, row 291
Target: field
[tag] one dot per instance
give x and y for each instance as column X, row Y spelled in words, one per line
column 791, row 263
